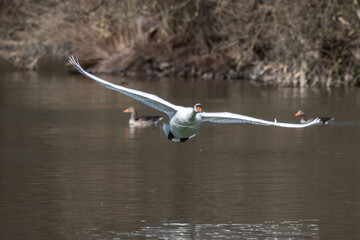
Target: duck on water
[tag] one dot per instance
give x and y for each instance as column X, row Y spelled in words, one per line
column 143, row 121
column 303, row 119
column 184, row 122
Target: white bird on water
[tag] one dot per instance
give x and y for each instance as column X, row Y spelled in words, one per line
column 185, row 122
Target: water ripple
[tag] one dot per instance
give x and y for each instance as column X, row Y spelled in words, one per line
column 290, row 229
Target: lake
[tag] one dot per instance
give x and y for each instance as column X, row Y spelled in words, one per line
column 72, row 168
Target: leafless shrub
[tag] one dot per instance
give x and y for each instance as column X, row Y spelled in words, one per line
column 314, row 42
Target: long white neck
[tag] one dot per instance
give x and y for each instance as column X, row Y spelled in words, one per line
column 192, row 116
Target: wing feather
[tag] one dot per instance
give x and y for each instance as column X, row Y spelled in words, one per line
column 228, row 118
column 148, row 99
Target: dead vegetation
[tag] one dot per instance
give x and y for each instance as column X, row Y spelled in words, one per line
column 290, row 43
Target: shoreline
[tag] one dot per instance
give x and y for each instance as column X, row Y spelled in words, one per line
column 276, row 42
column 262, row 74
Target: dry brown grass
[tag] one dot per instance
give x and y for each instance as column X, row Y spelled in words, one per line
column 301, row 43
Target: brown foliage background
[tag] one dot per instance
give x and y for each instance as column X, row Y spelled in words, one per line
column 314, row 42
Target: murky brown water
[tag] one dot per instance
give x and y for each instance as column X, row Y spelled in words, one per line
column 71, row 168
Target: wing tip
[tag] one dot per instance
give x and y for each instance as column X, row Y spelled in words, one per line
column 316, row 120
column 75, row 63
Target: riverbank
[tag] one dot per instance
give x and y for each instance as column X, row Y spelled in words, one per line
column 277, row 42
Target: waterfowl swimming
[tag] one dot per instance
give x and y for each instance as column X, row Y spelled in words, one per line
column 303, row 119
column 142, row 121
column 184, row 122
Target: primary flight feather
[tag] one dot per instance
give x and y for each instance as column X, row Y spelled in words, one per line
column 185, row 122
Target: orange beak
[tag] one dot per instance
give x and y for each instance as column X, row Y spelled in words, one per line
column 297, row 114
column 126, row 110
column 199, row 109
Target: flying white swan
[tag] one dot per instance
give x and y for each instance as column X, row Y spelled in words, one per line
column 184, row 122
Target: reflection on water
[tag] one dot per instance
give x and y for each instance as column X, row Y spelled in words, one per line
column 299, row 229
column 72, row 168
column 134, row 132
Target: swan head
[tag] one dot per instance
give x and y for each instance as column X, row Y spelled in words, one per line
column 198, row 108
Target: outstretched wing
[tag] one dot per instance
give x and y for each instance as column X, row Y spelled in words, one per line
column 227, row 118
column 149, row 99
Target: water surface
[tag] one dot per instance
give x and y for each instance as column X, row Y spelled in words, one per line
column 71, row 168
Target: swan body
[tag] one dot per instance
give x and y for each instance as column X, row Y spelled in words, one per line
column 143, row 121
column 185, row 122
